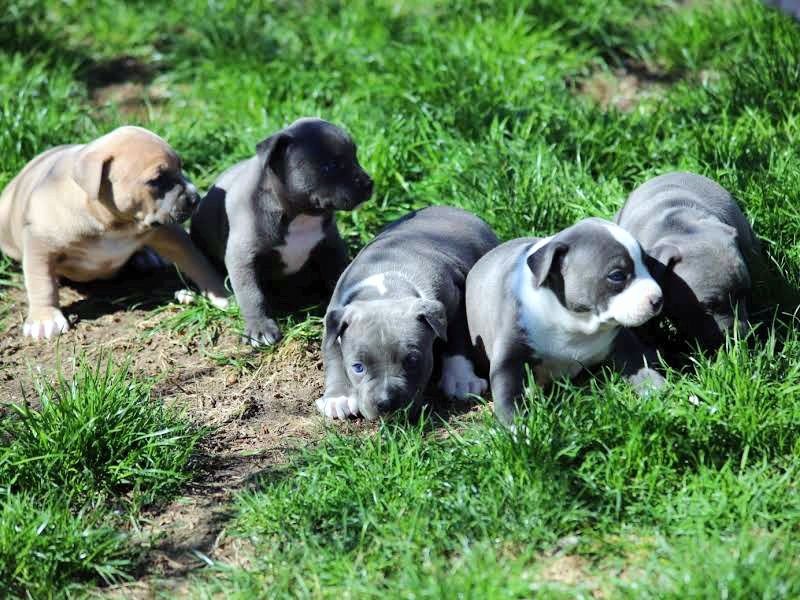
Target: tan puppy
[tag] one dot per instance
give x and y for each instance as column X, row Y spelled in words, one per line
column 80, row 212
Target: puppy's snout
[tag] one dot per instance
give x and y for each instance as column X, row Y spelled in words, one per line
column 383, row 403
column 192, row 195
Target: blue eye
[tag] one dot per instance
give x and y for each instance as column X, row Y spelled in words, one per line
column 358, row 368
column 617, row 276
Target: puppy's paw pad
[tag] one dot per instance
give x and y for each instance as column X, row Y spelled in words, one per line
column 337, row 407
column 46, row 328
column 459, row 379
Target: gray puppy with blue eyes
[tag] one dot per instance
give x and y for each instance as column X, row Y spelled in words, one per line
column 269, row 220
column 402, row 292
column 701, row 250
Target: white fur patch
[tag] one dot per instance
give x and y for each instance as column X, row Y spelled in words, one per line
column 189, row 296
column 338, row 407
column 564, row 341
column 303, row 235
column 633, row 306
column 377, row 281
column 459, row 378
column 47, row 328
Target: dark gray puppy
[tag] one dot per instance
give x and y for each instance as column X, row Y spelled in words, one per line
column 559, row 305
column 404, row 290
column 703, row 252
column 272, row 216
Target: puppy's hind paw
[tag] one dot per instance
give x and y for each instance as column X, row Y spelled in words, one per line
column 43, row 326
column 459, row 379
column 338, row 407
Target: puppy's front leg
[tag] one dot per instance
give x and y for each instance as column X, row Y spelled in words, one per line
column 338, row 401
column 174, row 244
column 331, row 259
column 633, row 360
column 242, row 263
column 506, row 375
column 41, row 283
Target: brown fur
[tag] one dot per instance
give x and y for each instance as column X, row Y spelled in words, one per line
column 80, row 211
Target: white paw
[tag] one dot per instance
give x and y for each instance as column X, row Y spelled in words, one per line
column 338, row 407
column 189, row 297
column 459, row 379
column 221, row 302
column 185, row 296
column 46, row 328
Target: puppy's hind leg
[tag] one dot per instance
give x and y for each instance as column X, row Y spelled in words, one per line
column 459, row 380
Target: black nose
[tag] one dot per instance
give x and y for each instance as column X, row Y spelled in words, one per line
column 384, row 404
column 657, row 302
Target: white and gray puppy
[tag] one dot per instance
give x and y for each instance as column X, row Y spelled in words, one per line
column 269, row 220
column 560, row 304
column 702, row 252
column 404, row 290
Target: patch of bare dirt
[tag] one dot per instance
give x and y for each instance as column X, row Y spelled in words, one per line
column 257, row 418
column 125, row 82
column 624, row 88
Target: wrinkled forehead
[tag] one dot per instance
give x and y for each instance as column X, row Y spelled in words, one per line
column 594, row 245
column 144, row 159
column 382, row 331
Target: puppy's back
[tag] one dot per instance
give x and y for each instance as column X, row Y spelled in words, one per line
column 16, row 197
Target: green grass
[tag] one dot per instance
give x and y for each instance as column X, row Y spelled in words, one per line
column 692, row 493
column 77, row 461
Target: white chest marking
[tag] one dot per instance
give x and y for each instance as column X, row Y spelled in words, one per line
column 564, row 341
column 303, row 235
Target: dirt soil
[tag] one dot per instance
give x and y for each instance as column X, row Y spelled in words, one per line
column 258, row 417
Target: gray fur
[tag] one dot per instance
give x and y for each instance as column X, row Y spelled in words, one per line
column 703, row 252
column 307, row 170
column 549, row 304
column 417, row 268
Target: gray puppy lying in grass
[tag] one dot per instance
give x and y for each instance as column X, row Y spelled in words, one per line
column 559, row 305
column 271, row 217
column 404, row 290
column 703, row 252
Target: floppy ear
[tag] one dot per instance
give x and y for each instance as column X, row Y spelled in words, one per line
column 90, row 172
column 666, row 253
column 271, row 151
column 335, row 324
column 434, row 314
column 541, row 262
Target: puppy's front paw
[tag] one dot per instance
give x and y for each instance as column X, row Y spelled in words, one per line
column 45, row 323
column 646, row 381
column 459, row 379
column 338, row 407
column 185, row 296
column 264, row 332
